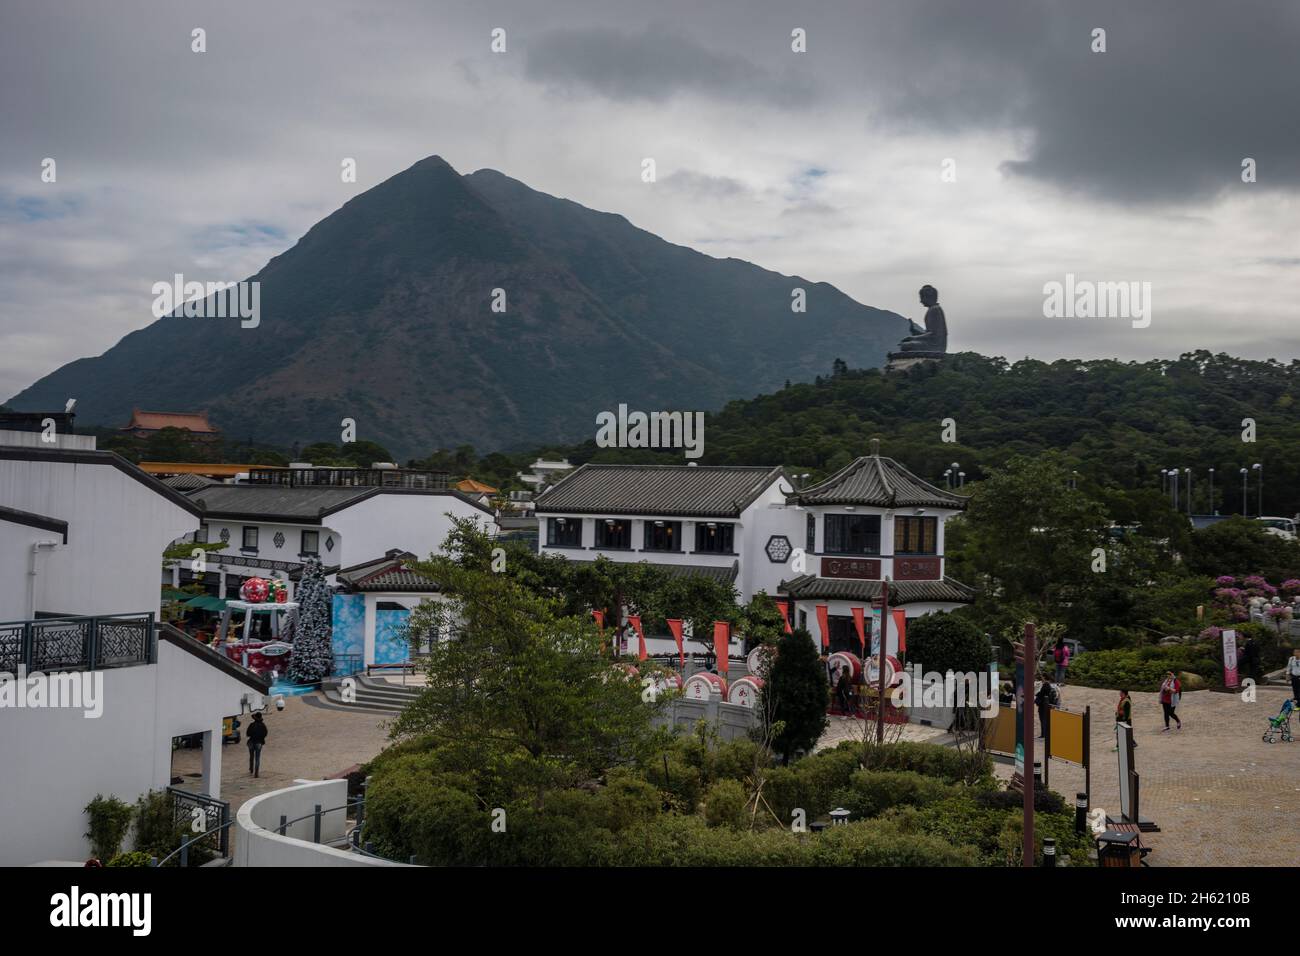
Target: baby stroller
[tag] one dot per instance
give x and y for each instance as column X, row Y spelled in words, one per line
column 1281, row 722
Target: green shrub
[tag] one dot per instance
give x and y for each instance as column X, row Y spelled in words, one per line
column 131, row 859
column 871, row 792
column 110, row 818
column 947, row 642
column 1143, row 668
column 724, row 805
column 882, row 843
column 932, row 760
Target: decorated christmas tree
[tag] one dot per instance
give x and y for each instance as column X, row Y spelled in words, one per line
column 313, row 654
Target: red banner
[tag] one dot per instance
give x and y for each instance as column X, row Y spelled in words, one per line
column 600, row 619
column 859, row 621
column 635, row 621
column 785, row 613
column 899, row 616
column 722, row 644
column 675, row 626
column 824, row 623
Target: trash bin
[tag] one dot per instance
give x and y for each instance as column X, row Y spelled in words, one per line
column 1118, row 848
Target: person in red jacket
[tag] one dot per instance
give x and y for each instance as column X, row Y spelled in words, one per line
column 1171, row 690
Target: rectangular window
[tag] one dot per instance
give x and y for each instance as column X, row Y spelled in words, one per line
column 663, row 536
column 564, row 532
column 714, row 538
column 614, row 534
column 812, row 534
column 201, row 536
column 916, row 535
column 250, row 537
column 311, row 542
column 852, row 534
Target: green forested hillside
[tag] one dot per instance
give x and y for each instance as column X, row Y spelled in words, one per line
column 1117, row 423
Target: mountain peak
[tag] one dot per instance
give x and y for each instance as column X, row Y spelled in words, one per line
column 384, row 313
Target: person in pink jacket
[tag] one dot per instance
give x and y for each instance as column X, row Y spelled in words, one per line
column 1171, row 689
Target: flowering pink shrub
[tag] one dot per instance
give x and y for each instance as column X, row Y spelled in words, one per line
column 1227, row 581
column 1291, row 585
column 1211, row 633
column 1255, row 581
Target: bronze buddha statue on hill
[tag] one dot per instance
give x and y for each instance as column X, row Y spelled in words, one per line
column 934, row 337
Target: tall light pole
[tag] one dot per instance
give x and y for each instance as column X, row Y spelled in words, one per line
column 1211, row 511
column 947, row 477
column 1188, row 473
column 1245, row 504
column 1260, row 468
column 961, row 479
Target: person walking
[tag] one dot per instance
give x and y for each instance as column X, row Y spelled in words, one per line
column 256, row 738
column 1293, row 672
column 1123, row 715
column 1046, row 699
column 1062, row 657
column 844, row 691
column 1171, row 691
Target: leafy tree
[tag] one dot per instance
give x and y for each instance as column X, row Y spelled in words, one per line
column 947, row 642
column 796, row 694
column 522, row 688
column 313, row 648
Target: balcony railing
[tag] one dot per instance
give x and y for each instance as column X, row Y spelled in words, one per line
column 78, row 643
column 349, row 478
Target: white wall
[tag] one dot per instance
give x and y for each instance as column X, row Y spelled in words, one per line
column 258, row 844
column 54, row 761
column 415, row 523
column 117, row 530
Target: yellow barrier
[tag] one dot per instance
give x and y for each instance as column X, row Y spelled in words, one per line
column 1066, row 740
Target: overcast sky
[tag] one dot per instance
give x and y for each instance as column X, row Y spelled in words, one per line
column 1117, row 166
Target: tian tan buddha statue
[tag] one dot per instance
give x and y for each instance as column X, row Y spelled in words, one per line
column 924, row 344
column 934, row 337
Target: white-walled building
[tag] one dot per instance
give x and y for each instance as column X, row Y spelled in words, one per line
column 268, row 529
column 871, row 520
column 82, row 534
column 829, row 545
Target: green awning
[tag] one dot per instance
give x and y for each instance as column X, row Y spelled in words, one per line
column 171, row 594
column 206, row 602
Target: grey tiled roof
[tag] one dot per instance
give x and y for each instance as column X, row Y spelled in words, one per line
column 810, row 587
column 388, row 573
column 706, row 491
column 187, row 483
column 302, row 504
column 275, row 501
column 878, row 482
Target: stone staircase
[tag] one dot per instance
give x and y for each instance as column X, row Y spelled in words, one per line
column 377, row 694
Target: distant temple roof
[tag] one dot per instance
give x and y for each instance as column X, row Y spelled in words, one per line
column 472, row 487
column 877, row 482
column 154, row 421
column 706, row 491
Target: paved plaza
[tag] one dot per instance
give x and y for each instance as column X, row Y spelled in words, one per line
column 1220, row 795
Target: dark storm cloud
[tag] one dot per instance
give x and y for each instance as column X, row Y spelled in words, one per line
column 1185, row 90
column 655, row 64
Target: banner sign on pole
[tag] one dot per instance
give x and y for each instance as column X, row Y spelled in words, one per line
column 1230, row 658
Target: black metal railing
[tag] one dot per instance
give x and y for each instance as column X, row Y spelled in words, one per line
column 211, row 815
column 78, row 643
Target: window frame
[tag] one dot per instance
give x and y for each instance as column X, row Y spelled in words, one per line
column 243, row 538
column 838, row 535
column 902, row 526
column 727, row 540
column 671, row 531
column 571, row 526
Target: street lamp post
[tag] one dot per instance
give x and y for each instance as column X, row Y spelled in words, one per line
column 1188, row 473
column 1260, row 468
column 1211, row 511
column 1245, row 503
